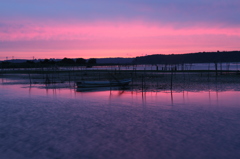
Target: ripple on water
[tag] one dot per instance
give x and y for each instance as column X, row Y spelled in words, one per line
column 66, row 124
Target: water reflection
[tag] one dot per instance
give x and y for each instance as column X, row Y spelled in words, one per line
column 36, row 122
column 167, row 97
column 171, row 98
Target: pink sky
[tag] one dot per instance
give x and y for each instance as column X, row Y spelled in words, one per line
column 115, row 29
column 111, row 39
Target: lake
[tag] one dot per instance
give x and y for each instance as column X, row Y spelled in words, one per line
column 38, row 123
column 233, row 66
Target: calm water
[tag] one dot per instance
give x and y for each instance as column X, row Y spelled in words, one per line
column 65, row 124
column 194, row 66
column 234, row 66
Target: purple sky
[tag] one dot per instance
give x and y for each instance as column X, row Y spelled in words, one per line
column 111, row 28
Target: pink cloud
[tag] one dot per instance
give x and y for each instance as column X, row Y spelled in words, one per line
column 111, row 39
column 102, row 30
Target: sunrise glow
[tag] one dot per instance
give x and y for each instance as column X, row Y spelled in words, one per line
column 102, row 32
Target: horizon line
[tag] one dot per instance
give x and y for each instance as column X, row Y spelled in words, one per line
column 12, row 57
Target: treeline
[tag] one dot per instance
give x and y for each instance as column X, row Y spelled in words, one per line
column 202, row 57
column 49, row 63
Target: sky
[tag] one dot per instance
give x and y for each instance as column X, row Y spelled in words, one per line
column 116, row 28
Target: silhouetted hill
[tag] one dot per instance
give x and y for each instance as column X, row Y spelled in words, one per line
column 205, row 57
column 16, row 60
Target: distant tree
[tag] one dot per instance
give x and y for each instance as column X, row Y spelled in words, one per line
column 45, row 61
column 80, row 61
column 92, row 61
column 5, row 64
column 67, row 61
column 53, row 62
column 30, row 62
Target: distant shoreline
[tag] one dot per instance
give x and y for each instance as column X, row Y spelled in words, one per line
column 141, row 80
column 199, row 57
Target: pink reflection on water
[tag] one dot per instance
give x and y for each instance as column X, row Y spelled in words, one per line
column 125, row 97
column 203, row 98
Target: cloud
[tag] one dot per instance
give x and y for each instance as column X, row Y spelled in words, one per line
column 118, row 27
column 106, row 36
column 180, row 12
column 30, row 30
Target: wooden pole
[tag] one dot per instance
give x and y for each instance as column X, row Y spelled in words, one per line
column 171, row 79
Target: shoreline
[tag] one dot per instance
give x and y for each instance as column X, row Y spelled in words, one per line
column 141, row 80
